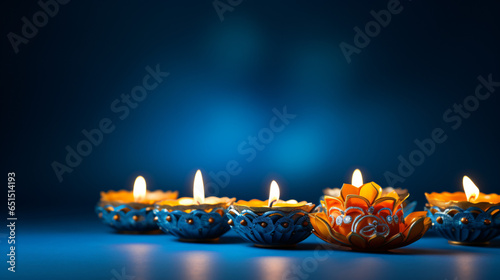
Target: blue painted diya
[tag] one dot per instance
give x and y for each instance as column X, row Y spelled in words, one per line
column 119, row 210
column 193, row 222
column 463, row 222
column 285, row 223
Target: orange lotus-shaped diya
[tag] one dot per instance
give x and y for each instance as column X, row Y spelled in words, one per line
column 363, row 219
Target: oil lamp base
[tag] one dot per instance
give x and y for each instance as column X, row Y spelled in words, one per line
column 471, row 226
column 193, row 225
column 271, row 228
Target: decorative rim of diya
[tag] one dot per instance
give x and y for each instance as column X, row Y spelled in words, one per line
column 445, row 200
column 256, row 206
column 128, row 219
column 403, row 193
column 133, row 205
column 209, row 203
column 127, row 197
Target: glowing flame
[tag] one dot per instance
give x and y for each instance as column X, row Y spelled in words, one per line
column 139, row 189
column 471, row 191
column 357, row 178
column 198, row 189
column 274, row 193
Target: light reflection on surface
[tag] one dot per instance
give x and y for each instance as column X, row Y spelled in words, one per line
column 373, row 268
column 466, row 266
column 271, row 268
column 198, row 265
column 140, row 259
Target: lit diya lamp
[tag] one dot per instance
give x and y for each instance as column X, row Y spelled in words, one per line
column 196, row 219
column 128, row 211
column 466, row 218
column 408, row 207
column 271, row 223
column 361, row 218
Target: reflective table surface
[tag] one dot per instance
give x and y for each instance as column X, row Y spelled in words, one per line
column 90, row 250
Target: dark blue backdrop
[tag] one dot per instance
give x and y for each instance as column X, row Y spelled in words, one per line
column 227, row 74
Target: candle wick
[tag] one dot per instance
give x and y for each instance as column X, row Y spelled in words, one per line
column 272, row 202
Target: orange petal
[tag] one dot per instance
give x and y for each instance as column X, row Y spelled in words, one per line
column 357, row 241
column 323, row 230
column 348, row 189
column 386, row 202
column 414, row 216
column 357, row 201
column 321, row 227
column 370, row 191
column 376, row 242
column 401, row 200
column 416, row 229
column 395, row 241
column 393, row 194
column 335, row 235
column 331, row 201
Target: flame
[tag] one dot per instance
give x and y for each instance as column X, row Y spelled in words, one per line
column 274, row 193
column 471, row 190
column 198, row 189
column 357, row 178
column 139, row 189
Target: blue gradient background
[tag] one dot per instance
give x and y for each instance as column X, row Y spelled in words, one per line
column 226, row 77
